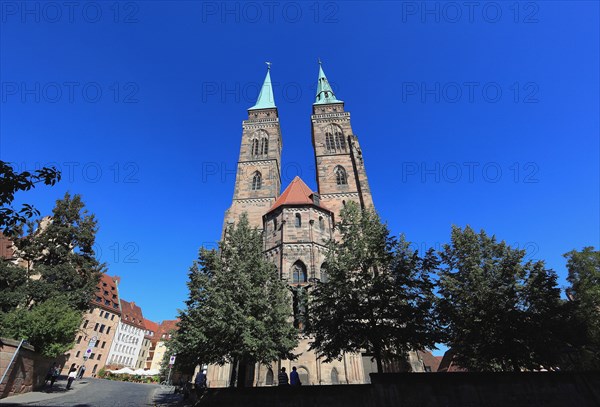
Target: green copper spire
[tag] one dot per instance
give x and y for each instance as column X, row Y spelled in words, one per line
column 324, row 92
column 265, row 97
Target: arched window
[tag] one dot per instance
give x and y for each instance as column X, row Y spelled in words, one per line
column 334, row 376
column 264, row 146
column 256, row 181
column 321, row 223
column 340, row 176
column 329, row 143
column 299, row 272
column 334, row 139
column 255, row 148
column 298, row 220
column 269, row 378
column 324, row 273
column 303, row 375
column 274, row 225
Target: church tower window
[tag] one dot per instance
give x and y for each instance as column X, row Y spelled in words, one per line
column 299, row 272
column 298, row 220
column 340, row 176
column 264, row 146
column 256, row 181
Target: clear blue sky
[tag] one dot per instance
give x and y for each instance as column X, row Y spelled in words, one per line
column 442, row 145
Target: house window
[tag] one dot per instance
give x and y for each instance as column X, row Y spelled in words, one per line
column 96, row 327
column 79, row 339
column 101, row 313
column 77, row 354
column 108, row 329
column 106, row 315
column 340, row 175
column 94, row 369
column 99, row 356
column 112, row 317
column 102, row 328
column 103, row 343
column 256, row 181
column 321, row 223
column 85, row 324
column 92, row 355
column 298, row 220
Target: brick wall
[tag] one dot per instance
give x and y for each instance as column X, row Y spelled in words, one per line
column 28, row 370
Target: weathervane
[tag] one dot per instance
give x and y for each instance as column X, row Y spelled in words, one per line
column 319, row 60
column 268, row 65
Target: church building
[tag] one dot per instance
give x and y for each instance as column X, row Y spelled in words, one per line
column 297, row 223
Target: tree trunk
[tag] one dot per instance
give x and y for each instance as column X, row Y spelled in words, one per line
column 233, row 376
column 377, row 353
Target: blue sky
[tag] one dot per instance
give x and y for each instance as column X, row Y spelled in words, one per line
column 486, row 116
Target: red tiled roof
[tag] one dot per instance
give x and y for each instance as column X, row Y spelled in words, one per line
column 107, row 295
column 166, row 327
column 131, row 314
column 429, row 360
column 448, row 363
column 297, row 193
column 152, row 327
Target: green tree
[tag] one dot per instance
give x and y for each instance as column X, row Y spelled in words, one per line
column 60, row 255
column 500, row 312
column 50, row 326
column 377, row 296
column 12, row 182
column 238, row 310
column 584, row 293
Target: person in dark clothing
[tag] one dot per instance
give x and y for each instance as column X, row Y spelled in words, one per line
column 282, row 378
column 55, row 374
column 200, row 384
column 50, row 373
column 294, row 378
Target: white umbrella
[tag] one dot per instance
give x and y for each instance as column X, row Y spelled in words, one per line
column 124, row 370
column 152, row 372
column 139, row 372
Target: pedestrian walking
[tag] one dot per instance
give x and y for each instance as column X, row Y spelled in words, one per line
column 55, row 374
column 200, row 383
column 72, row 375
column 81, row 372
column 294, row 378
column 282, row 378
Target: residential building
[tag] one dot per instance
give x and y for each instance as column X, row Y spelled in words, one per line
column 128, row 338
column 95, row 336
column 148, row 345
column 164, row 333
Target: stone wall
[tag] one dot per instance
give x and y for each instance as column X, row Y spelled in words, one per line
column 27, row 371
column 546, row 389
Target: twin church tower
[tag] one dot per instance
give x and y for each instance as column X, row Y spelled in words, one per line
column 297, row 223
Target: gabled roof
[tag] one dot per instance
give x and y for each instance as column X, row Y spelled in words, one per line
column 150, row 325
column 131, row 314
column 166, row 327
column 297, row 193
column 107, row 294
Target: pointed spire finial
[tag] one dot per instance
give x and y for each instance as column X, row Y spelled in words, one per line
column 319, row 60
column 265, row 97
column 324, row 91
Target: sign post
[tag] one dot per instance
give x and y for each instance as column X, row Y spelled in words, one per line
column 171, row 363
